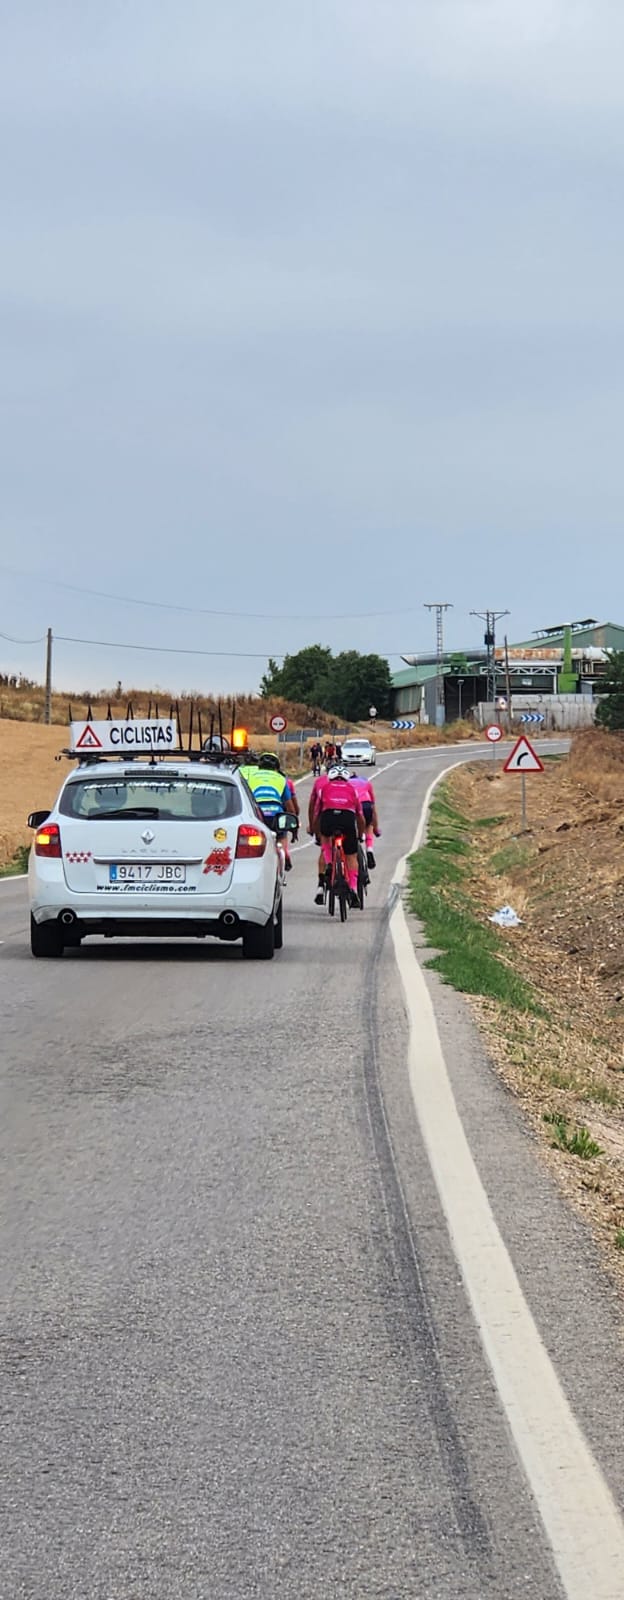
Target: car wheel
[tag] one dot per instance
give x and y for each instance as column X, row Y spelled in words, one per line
column 46, row 939
column 259, row 943
column 278, row 930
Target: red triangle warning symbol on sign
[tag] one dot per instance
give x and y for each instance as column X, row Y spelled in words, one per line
column 88, row 739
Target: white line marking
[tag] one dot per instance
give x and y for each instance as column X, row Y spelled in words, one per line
column 579, row 1514
column 13, row 877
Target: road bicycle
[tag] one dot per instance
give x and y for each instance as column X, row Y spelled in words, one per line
column 336, row 880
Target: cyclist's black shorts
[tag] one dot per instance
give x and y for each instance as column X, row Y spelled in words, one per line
column 367, row 807
column 344, row 822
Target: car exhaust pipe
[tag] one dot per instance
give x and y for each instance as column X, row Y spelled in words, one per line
column 68, row 918
column 229, row 919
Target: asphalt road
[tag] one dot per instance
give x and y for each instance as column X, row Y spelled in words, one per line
column 237, row 1357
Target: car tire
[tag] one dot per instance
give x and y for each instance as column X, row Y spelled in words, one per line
column 46, row 939
column 259, row 943
column 278, row 931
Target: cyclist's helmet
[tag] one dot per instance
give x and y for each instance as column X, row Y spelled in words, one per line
column 334, row 772
column 269, row 761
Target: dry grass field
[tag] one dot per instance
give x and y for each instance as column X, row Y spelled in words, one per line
column 563, row 1058
column 29, row 778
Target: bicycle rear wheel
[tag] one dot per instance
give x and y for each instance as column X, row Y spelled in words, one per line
column 342, row 891
column 363, row 878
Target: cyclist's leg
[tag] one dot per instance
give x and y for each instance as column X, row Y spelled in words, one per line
column 368, row 818
column 324, row 838
column 322, row 875
column 349, row 832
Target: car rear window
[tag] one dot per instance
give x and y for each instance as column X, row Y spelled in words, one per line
column 169, row 799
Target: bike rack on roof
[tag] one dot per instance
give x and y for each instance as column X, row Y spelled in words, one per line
column 209, row 750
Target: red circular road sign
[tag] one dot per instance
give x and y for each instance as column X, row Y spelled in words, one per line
column 278, row 724
column 493, row 733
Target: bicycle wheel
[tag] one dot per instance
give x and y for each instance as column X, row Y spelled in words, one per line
column 363, row 879
column 342, row 891
column 330, row 887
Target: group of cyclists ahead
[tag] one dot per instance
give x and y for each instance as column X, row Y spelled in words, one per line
column 325, row 755
column 341, row 803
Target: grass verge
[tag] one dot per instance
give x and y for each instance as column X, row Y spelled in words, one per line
column 470, row 952
column 18, row 863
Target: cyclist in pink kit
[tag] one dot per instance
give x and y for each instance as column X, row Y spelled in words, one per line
column 368, row 803
column 335, row 808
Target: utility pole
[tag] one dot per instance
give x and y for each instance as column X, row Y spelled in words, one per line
column 47, row 715
column 439, row 608
column 490, row 618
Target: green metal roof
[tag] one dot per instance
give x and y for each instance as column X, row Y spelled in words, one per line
column 603, row 635
column 411, row 676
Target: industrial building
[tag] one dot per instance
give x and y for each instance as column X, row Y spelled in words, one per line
column 563, row 661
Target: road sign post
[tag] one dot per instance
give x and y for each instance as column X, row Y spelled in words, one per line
column 523, row 759
column 494, row 734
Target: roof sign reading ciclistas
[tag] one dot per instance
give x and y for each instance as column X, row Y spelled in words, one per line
column 158, row 735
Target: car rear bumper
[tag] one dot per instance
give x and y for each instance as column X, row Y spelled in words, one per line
column 216, row 917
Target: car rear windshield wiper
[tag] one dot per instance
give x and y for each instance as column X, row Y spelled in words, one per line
column 134, row 813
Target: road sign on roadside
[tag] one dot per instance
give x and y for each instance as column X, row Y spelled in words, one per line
column 278, row 724
column 493, row 733
column 402, row 722
column 523, row 758
column 532, row 716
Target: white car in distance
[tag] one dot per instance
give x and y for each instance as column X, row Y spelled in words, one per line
column 137, row 849
column 358, row 752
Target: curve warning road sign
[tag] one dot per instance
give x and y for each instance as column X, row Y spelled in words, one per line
column 402, row 723
column 523, row 758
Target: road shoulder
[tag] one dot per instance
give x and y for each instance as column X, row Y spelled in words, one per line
column 573, row 1305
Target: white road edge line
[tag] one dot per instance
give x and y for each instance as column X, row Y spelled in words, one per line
column 580, row 1517
column 13, row 877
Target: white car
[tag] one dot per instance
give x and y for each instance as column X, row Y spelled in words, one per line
column 359, row 752
column 147, row 850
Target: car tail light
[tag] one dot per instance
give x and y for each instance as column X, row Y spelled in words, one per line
column 48, row 840
column 251, row 842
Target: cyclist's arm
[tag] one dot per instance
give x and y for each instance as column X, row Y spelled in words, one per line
column 292, row 803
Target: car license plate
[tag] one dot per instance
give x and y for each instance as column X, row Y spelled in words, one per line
column 147, row 872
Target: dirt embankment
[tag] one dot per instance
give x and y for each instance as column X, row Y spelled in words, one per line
column 29, row 778
column 565, row 878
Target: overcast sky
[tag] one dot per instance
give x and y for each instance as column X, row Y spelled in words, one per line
column 306, row 310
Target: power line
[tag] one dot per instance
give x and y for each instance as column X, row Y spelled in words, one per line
column 168, row 650
column 172, row 650
column 11, row 640
column 208, row 611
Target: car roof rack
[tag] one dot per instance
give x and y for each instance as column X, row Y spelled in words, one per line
column 210, row 746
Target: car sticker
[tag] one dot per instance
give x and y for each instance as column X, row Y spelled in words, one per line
column 218, row 861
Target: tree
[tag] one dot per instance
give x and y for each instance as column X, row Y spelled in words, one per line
column 610, row 713
column 358, row 682
column 346, row 685
column 302, row 677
